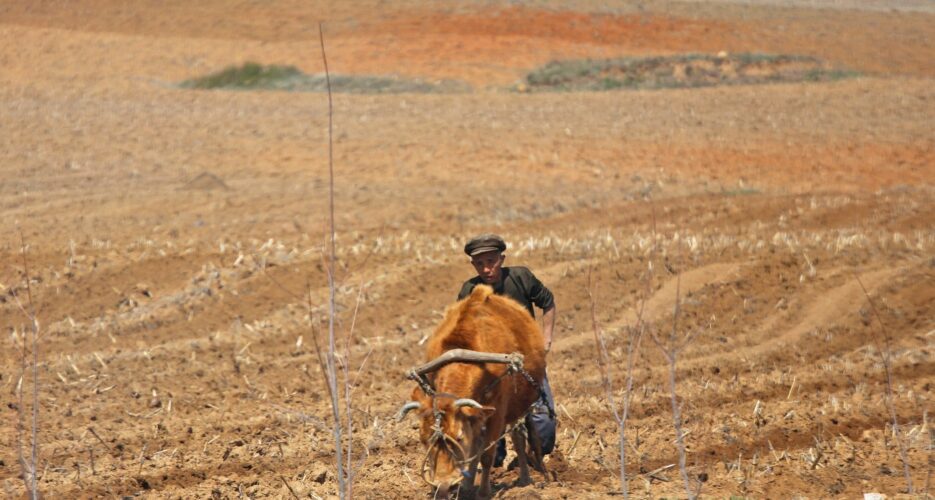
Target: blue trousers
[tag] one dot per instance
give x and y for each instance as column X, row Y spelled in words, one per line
column 541, row 420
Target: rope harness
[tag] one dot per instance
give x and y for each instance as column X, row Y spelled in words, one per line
column 460, row 460
column 439, row 435
column 440, row 440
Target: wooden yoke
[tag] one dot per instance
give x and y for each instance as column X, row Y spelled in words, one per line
column 515, row 360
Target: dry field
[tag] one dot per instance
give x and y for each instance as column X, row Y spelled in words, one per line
column 172, row 234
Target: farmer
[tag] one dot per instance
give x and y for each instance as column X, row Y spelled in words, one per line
column 519, row 284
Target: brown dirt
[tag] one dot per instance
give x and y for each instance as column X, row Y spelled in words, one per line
column 172, row 234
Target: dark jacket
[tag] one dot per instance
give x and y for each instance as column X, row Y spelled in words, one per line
column 519, row 284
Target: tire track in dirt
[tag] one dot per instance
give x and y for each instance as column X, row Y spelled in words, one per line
column 825, row 309
column 835, row 302
column 660, row 302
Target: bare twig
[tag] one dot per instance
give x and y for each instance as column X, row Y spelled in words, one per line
column 660, row 469
column 670, row 349
column 571, row 450
column 294, row 495
column 634, row 339
column 819, row 453
column 29, row 468
column 142, row 459
column 344, row 489
column 634, row 336
column 348, row 407
column 315, row 327
column 328, row 360
column 885, row 355
column 94, row 433
column 929, row 462
column 654, row 474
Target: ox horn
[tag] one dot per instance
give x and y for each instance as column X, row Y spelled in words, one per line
column 468, row 402
column 408, row 407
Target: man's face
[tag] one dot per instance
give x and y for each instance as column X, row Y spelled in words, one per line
column 488, row 266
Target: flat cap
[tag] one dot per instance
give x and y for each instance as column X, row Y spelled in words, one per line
column 484, row 243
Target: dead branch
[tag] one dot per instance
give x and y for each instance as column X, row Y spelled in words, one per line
column 634, row 339
column 654, row 474
column 886, row 355
column 344, row 489
column 605, row 364
column 94, row 433
column 348, row 388
column 670, row 349
column 292, row 491
column 315, row 328
column 30, row 468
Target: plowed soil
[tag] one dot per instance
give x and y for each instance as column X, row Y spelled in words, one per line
column 175, row 243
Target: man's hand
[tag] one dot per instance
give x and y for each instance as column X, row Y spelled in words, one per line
column 548, row 325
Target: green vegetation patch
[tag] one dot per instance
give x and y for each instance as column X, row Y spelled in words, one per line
column 247, row 76
column 681, row 71
column 253, row 76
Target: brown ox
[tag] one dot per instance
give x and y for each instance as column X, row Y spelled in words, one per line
column 475, row 402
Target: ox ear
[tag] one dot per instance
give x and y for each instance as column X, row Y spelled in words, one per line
column 483, row 413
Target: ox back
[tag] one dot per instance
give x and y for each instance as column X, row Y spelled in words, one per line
column 486, row 322
column 459, row 436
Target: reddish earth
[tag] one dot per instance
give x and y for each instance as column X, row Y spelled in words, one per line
column 172, row 234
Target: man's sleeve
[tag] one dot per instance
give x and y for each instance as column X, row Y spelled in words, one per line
column 539, row 294
column 466, row 289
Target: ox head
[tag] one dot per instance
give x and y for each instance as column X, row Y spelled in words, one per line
column 453, row 431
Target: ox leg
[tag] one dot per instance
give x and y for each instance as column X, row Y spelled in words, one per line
column 486, row 461
column 535, row 449
column 519, row 443
column 468, row 486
